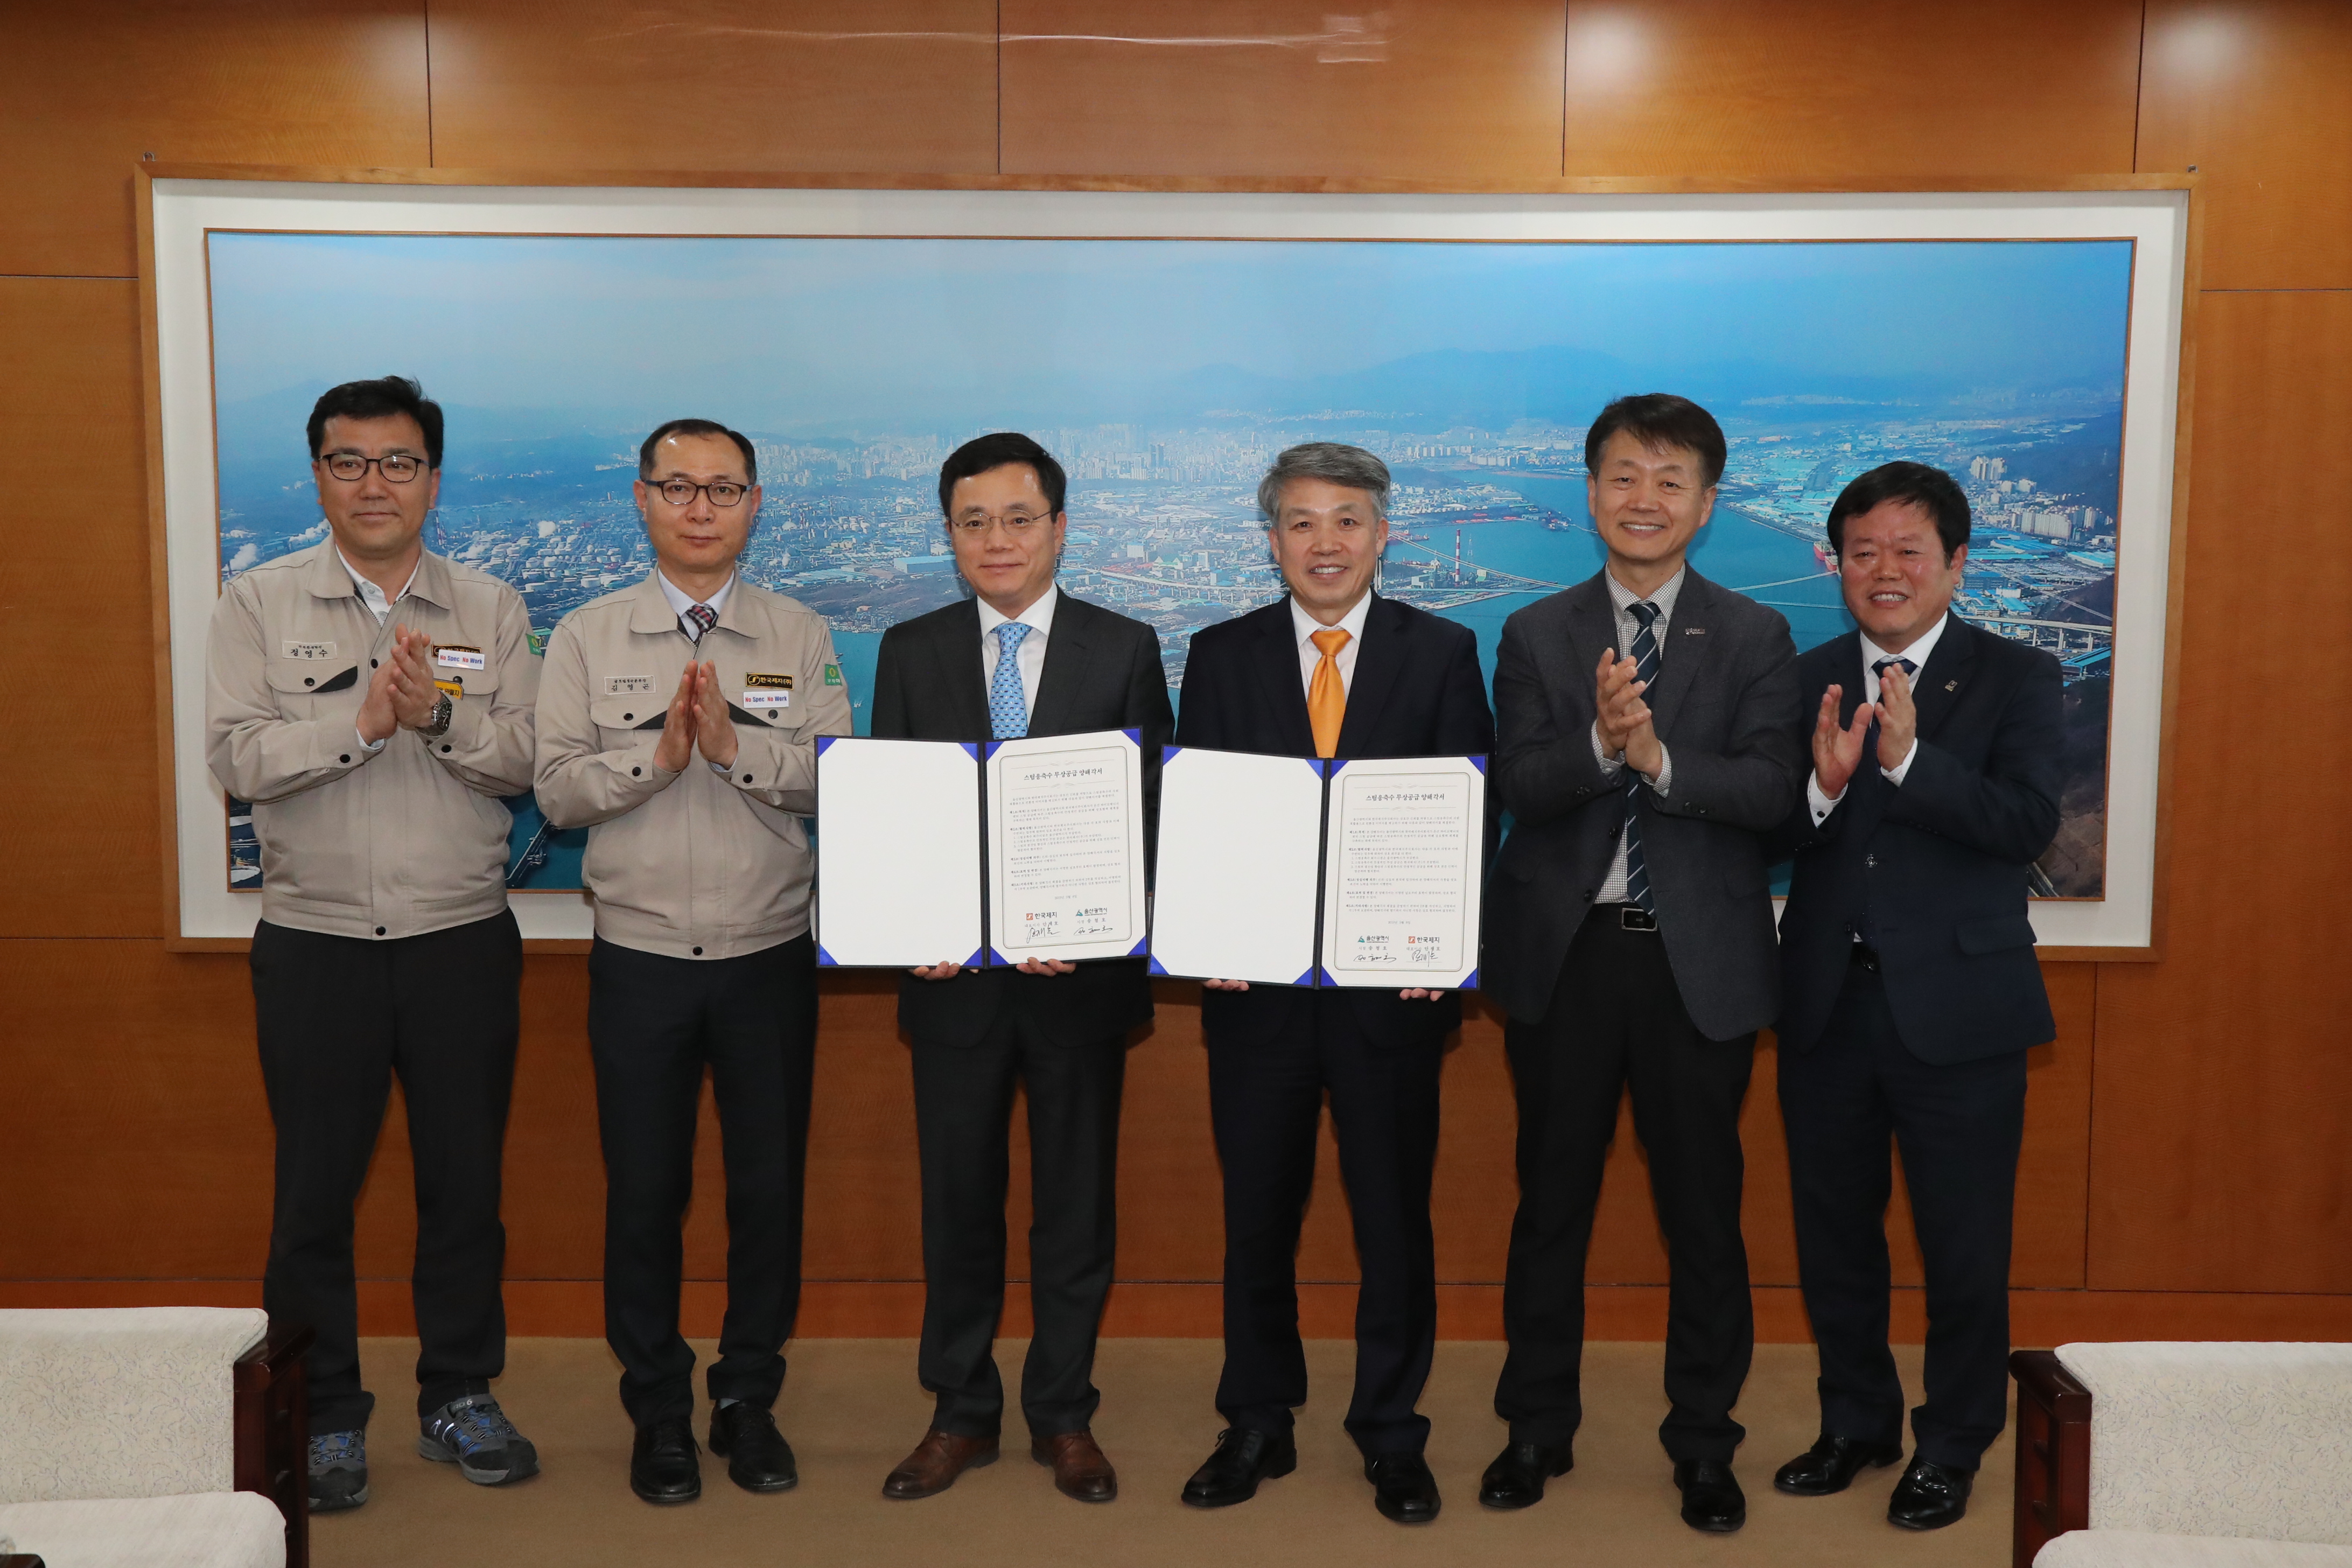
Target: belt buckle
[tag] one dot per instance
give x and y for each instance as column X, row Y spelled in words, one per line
column 1634, row 917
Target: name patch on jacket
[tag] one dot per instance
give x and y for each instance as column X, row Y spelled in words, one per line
column 628, row 686
column 310, row 650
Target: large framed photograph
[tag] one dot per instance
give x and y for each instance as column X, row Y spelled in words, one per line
column 1165, row 342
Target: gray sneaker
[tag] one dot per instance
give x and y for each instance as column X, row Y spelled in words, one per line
column 475, row 1435
column 338, row 1471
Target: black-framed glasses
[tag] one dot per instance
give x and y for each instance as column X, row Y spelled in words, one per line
column 398, row 468
column 681, row 492
column 1015, row 523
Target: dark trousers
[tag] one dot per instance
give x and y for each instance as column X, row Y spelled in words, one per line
column 963, row 1113
column 1617, row 1022
column 655, row 1022
column 337, row 1016
column 1265, row 1097
column 1959, row 1125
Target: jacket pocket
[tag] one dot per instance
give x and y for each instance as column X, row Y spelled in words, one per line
column 1995, row 935
column 616, row 716
column 297, row 680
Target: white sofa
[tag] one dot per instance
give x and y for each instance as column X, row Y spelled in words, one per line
column 126, row 1433
column 2184, row 1455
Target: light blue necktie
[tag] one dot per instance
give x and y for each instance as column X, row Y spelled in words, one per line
column 1008, row 710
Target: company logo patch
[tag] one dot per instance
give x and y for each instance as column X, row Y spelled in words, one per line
column 767, row 683
column 628, row 686
column 308, row 650
column 457, row 656
column 833, row 675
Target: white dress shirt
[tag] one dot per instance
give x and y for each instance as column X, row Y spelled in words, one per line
column 1820, row 803
column 380, row 609
column 1039, row 619
column 1622, row 599
column 1304, row 626
column 680, row 601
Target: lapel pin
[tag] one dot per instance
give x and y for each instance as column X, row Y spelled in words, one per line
column 1951, row 686
column 1694, row 631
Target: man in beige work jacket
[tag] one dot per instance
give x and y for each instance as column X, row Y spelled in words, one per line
column 373, row 702
column 679, row 722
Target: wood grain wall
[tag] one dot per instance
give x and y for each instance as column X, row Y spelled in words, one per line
column 2189, row 1150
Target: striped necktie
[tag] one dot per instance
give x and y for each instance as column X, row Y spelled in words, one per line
column 1008, row 709
column 1645, row 669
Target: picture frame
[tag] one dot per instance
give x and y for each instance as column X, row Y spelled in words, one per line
column 180, row 206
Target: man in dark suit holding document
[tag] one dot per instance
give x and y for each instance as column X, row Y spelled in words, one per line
column 1333, row 671
column 1021, row 659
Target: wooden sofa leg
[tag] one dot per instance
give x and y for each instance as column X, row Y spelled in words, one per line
column 2053, row 1452
column 273, row 1431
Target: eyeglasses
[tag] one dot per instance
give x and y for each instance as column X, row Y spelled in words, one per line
column 399, row 468
column 1016, row 523
column 681, row 492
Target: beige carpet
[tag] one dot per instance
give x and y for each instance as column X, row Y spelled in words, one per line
column 851, row 1409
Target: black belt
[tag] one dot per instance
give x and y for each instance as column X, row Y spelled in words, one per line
column 1865, row 956
column 1632, row 916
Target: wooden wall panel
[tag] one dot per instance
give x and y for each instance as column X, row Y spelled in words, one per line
column 2255, row 96
column 885, row 86
column 1820, row 89
column 75, row 629
column 260, row 81
column 2222, row 1152
column 1412, row 88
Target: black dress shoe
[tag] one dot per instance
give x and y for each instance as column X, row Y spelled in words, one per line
column 758, row 1458
column 1929, row 1496
column 1712, row 1500
column 663, row 1467
column 1402, row 1487
column 1830, row 1464
column 1244, row 1456
column 1515, row 1478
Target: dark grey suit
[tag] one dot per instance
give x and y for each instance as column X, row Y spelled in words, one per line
column 1596, row 1008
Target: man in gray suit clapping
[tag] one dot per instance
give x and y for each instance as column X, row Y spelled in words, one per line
column 1645, row 743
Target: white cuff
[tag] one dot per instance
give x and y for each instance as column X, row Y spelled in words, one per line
column 1821, row 804
column 1894, row 776
column 1609, row 764
column 1665, row 779
column 369, row 747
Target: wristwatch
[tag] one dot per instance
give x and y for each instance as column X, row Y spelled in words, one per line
column 444, row 710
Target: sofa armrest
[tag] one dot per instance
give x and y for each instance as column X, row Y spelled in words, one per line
column 273, row 1431
column 2054, row 1453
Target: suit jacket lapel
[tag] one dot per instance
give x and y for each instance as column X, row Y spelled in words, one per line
column 1378, row 663
column 1277, row 668
column 1681, row 652
column 1058, row 682
column 961, row 675
column 1936, row 691
column 1591, row 626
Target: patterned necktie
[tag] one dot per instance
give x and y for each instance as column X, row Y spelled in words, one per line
column 1645, row 669
column 1327, row 694
column 703, row 616
column 1008, row 709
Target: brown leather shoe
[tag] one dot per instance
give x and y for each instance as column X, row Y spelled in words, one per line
column 935, row 1463
column 1080, row 1470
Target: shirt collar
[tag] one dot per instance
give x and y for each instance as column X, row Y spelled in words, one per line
column 1352, row 623
column 680, row 601
column 370, row 595
column 1624, row 598
column 1916, row 653
column 1039, row 617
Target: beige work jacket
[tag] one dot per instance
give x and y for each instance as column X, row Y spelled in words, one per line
column 397, row 842
column 695, row 864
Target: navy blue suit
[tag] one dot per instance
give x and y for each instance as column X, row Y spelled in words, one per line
column 1919, row 1031
column 1276, row 1050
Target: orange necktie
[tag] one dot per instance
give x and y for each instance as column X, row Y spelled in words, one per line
column 1326, row 696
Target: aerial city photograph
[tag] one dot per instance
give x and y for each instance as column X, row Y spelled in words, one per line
column 1165, row 375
